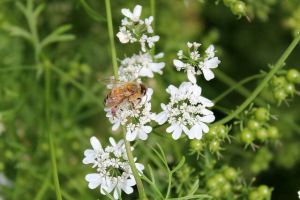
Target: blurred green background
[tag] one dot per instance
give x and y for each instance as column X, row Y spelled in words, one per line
column 245, row 47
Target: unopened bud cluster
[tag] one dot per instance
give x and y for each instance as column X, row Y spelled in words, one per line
column 212, row 140
column 237, row 7
column 283, row 86
column 257, row 127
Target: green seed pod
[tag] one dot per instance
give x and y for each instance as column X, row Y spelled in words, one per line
column 262, row 114
column 273, row 132
column 230, row 173
column 247, row 136
column 290, row 88
column 253, row 124
column 280, row 95
column 263, row 191
column 212, row 183
column 239, row 8
column 262, row 134
column 254, row 195
column 214, row 146
column 222, row 131
column 220, row 179
column 226, row 187
column 196, row 145
column 229, row 2
column 293, row 76
column 278, row 82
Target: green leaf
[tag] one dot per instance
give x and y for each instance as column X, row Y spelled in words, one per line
column 58, row 36
column 91, row 12
column 198, row 196
column 194, row 187
column 38, row 10
column 180, row 164
column 18, row 32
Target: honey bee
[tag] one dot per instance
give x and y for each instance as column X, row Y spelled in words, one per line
column 127, row 91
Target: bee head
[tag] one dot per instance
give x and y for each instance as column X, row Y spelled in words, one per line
column 143, row 89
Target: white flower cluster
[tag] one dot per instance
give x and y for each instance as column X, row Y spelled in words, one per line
column 195, row 64
column 187, row 111
column 299, row 194
column 141, row 65
column 114, row 174
column 134, row 117
column 134, row 29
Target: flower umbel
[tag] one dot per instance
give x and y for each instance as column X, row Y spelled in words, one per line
column 113, row 174
column 141, row 65
column 135, row 117
column 187, row 111
column 195, row 64
column 134, row 29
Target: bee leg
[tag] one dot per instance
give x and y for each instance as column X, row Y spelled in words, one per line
column 113, row 111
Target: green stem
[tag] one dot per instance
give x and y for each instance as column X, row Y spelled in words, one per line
column 48, row 132
column 237, row 85
column 135, row 172
column 170, row 174
column 111, row 38
column 279, row 64
column 142, row 194
column 240, row 89
column 153, row 13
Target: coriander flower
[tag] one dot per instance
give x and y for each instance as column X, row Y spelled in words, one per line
column 134, row 29
column 125, row 35
column 135, row 117
column 141, row 65
column 133, row 16
column 195, row 64
column 186, row 112
column 113, row 172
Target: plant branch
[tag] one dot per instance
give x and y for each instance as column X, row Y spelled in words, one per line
column 279, row 64
column 48, row 132
column 111, row 38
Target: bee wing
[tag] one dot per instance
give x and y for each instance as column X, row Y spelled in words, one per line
column 110, row 82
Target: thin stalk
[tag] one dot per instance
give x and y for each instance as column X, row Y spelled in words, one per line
column 135, row 172
column 170, row 174
column 111, row 38
column 279, row 64
column 142, row 194
column 48, row 132
column 237, row 85
column 153, row 13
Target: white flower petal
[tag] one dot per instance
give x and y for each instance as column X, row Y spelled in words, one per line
column 196, row 132
column 94, row 180
column 95, row 144
column 116, row 126
column 177, row 133
column 178, row 64
column 146, row 72
column 130, row 136
column 136, row 13
column 126, row 12
column 191, row 76
column 208, row 118
column 161, row 118
column 208, row 74
column 212, row 63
